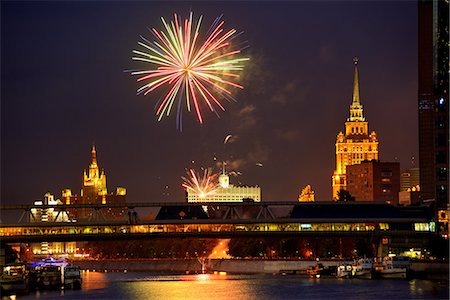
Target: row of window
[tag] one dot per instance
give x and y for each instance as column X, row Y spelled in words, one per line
column 176, row 228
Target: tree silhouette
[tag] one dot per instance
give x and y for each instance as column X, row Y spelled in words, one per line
column 344, row 196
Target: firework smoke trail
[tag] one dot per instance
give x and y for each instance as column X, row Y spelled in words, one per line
column 201, row 185
column 195, row 71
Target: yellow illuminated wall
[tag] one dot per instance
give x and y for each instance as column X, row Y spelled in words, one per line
column 306, row 195
column 356, row 145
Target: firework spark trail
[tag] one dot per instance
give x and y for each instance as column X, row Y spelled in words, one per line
column 201, row 185
column 195, row 71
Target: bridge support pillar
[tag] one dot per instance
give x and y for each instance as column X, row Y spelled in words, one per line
column 383, row 247
column 132, row 216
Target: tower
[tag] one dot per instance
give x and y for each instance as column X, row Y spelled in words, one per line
column 224, row 179
column 356, row 145
column 94, row 182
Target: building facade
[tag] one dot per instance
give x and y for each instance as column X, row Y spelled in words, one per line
column 374, row 181
column 227, row 192
column 433, row 71
column 356, row 145
column 50, row 214
column 410, row 180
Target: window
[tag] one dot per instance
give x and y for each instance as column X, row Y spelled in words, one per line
column 441, row 140
column 441, row 157
column 441, row 174
column 421, row 227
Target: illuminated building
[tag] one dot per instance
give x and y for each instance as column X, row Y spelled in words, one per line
column 227, row 192
column 433, row 71
column 356, row 145
column 410, row 180
column 94, row 191
column 51, row 215
column 409, row 187
column 374, row 181
column 306, row 195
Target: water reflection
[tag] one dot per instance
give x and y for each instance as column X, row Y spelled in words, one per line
column 119, row 285
column 94, row 280
column 202, row 286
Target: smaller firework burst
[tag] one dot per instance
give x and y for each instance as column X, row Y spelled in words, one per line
column 201, row 185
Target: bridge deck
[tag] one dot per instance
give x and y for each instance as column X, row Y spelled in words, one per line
column 195, row 228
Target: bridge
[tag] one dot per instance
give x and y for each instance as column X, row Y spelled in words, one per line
column 370, row 220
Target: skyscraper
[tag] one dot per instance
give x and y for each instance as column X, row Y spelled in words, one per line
column 94, row 191
column 357, row 144
column 433, row 101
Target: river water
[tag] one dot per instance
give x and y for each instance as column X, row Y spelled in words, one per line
column 134, row 285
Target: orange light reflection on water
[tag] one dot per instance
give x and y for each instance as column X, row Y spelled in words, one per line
column 94, row 280
column 200, row 286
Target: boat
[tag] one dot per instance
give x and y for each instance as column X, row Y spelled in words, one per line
column 363, row 268
column 344, row 270
column 395, row 267
column 315, row 271
column 51, row 277
column 319, row 270
column 14, row 277
column 72, row 277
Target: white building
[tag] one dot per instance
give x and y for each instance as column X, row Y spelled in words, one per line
column 227, row 192
column 41, row 215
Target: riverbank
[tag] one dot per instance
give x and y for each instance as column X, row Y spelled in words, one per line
column 428, row 269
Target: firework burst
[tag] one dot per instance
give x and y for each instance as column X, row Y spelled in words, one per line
column 194, row 71
column 201, row 185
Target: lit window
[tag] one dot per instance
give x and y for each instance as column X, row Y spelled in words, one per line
column 421, row 227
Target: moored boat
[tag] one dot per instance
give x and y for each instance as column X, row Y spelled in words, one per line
column 363, row 268
column 395, row 267
column 14, row 277
column 72, row 277
column 51, row 277
column 344, row 270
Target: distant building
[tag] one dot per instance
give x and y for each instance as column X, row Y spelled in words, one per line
column 306, row 195
column 356, row 145
column 374, row 181
column 94, row 191
column 410, row 179
column 51, row 215
column 433, row 85
column 409, row 198
column 227, row 192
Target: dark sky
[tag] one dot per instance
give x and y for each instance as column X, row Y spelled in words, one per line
column 63, row 86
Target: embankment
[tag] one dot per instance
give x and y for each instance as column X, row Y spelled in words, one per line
column 239, row 266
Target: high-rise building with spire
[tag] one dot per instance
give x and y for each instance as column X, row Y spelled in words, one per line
column 94, row 191
column 94, row 182
column 356, row 145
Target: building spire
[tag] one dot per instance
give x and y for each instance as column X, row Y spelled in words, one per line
column 94, row 154
column 356, row 109
column 355, row 82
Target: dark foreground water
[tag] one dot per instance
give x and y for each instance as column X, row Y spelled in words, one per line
column 216, row 287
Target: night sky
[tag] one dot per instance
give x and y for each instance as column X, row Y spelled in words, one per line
column 63, row 87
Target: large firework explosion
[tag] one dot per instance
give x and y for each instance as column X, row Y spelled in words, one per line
column 201, row 185
column 194, row 71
